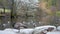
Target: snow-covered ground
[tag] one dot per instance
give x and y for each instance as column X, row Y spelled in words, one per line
column 15, row 31
column 36, row 30
column 9, row 31
column 26, row 31
column 12, row 30
column 55, row 32
column 58, row 28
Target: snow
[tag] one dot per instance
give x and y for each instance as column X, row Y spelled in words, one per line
column 36, row 30
column 12, row 30
column 58, row 28
column 39, row 31
column 45, row 27
column 56, row 32
column 26, row 31
column 7, row 32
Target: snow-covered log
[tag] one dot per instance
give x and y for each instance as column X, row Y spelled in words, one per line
column 44, row 29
